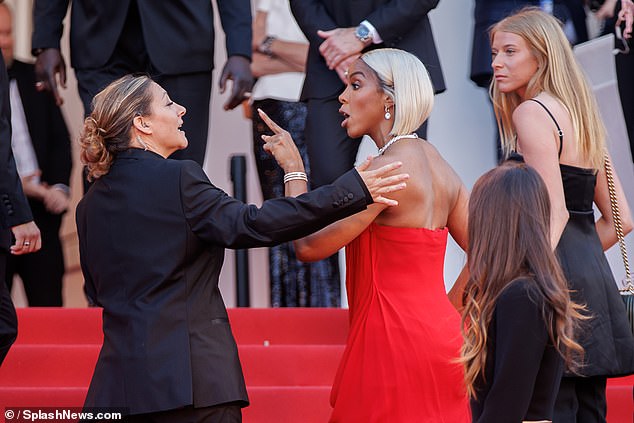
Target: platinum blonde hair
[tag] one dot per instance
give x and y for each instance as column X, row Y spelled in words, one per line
column 406, row 81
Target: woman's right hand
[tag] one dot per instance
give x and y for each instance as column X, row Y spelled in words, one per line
column 379, row 181
column 281, row 146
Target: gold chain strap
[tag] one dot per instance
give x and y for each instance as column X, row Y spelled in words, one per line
column 616, row 215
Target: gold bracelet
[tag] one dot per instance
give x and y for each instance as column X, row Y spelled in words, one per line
column 295, row 176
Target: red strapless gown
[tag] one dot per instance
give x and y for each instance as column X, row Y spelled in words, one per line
column 398, row 365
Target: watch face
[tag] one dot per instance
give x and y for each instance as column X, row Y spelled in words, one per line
column 362, row 32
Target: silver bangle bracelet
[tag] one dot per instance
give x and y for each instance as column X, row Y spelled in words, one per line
column 295, row 176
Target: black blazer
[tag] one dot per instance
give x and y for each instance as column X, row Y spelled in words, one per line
column 523, row 369
column 179, row 34
column 152, row 239
column 402, row 24
column 14, row 209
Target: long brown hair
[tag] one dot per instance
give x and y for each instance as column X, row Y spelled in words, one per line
column 559, row 75
column 108, row 129
column 509, row 227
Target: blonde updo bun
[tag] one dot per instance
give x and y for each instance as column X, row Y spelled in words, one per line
column 107, row 130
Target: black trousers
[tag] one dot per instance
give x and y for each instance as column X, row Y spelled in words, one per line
column 224, row 413
column 42, row 273
column 8, row 318
column 330, row 151
column 581, row 400
column 193, row 90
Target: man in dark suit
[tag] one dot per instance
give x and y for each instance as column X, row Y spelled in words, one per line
column 15, row 218
column 349, row 28
column 41, row 148
column 173, row 41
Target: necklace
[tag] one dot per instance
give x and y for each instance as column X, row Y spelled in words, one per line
column 393, row 140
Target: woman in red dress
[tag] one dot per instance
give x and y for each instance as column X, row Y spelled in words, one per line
column 400, row 362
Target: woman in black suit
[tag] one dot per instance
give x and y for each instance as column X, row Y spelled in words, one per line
column 152, row 234
column 519, row 321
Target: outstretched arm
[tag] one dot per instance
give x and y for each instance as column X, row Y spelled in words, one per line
column 330, row 239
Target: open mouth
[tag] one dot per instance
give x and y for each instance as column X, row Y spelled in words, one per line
column 346, row 116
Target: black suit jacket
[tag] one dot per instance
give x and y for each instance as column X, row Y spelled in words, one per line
column 49, row 136
column 14, row 209
column 402, row 24
column 523, row 369
column 179, row 34
column 152, row 238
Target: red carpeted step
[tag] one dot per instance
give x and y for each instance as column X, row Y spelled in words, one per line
column 249, row 325
column 290, row 365
column 268, row 403
column 289, row 325
column 49, row 365
column 42, row 396
column 42, row 325
column 72, row 365
column 271, row 404
column 289, row 358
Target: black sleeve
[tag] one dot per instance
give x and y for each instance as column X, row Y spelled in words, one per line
column 395, row 18
column 521, row 339
column 311, row 15
column 59, row 154
column 48, row 17
column 220, row 219
column 235, row 16
column 14, row 208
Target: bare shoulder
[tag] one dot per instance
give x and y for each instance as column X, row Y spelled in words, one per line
column 440, row 166
column 527, row 112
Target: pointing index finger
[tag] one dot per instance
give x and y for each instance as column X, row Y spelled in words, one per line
column 269, row 122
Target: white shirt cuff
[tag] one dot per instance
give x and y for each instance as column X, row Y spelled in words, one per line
column 376, row 38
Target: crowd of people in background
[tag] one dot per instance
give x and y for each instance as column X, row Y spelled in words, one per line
column 530, row 331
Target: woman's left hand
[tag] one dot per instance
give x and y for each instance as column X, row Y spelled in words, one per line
column 281, row 146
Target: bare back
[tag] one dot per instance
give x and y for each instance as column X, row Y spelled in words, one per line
column 432, row 191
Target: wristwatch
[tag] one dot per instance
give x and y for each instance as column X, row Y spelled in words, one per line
column 363, row 33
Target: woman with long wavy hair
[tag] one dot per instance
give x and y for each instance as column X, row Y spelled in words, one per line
column 547, row 114
column 518, row 322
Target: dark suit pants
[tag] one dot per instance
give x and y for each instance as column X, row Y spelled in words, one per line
column 193, row 90
column 581, row 400
column 8, row 318
column 331, row 152
column 224, row 413
column 42, row 272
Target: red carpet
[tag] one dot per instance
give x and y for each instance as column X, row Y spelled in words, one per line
column 289, row 358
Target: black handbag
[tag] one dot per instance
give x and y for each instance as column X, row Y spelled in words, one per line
column 627, row 290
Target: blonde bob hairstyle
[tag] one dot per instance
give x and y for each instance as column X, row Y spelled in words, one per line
column 108, row 129
column 559, row 75
column 406, row 81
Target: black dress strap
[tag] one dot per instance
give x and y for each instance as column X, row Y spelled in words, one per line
column 559, row 131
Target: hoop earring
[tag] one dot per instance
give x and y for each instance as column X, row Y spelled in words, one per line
column 388, row 115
